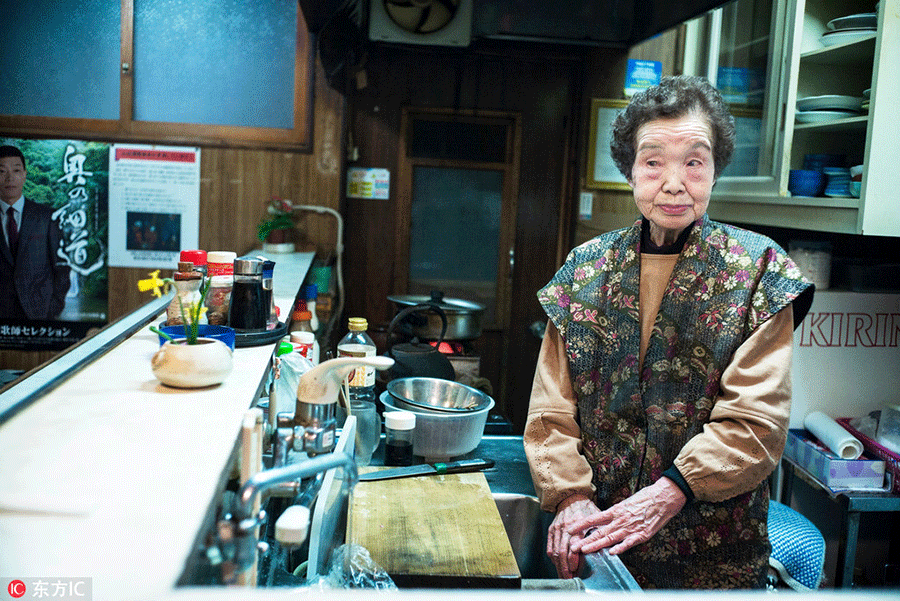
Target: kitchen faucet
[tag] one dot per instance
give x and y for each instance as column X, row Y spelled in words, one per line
column 237, row 531
column 312, row 426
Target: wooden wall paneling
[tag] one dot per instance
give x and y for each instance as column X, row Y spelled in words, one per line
column 234, row 187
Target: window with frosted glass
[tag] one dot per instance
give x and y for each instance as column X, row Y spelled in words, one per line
column 455, row 225
column 60, row 59
column 215, row 62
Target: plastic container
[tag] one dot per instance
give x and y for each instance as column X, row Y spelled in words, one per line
column 891, row 459
column 221, row 333
column 357, row 343
column 399, row 429
column 220, row 270
column 441, row 436
column 306, row 345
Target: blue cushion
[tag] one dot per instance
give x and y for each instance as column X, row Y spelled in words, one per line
column 798, row 548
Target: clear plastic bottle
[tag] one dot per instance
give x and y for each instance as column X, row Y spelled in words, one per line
column 357, row 343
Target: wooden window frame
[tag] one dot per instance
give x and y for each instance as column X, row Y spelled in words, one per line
column 127, row 129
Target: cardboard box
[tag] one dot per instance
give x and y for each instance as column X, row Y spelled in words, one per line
column 848, row 474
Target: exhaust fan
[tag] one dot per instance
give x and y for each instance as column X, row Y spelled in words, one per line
column 435, row 22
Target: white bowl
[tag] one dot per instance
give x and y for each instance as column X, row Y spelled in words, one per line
column 441, row 436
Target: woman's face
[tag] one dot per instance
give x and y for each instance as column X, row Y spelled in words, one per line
column 673, row 174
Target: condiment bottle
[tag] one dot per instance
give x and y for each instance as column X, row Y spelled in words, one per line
column 197, row 257
column 399, row 427
column 220, row 269
column 269, row 300
column 247, row 311
column 306, row 345
column 357, row 343
column 311, row 292
column 187, row 287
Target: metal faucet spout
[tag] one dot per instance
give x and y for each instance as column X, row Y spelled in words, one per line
column 267, row 479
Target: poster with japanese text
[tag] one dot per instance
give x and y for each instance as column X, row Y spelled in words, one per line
column 54, row 274
column 154, row 200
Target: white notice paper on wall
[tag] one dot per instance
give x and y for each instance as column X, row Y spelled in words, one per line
column 846, row 355
column 368, row 183
column 154, row 204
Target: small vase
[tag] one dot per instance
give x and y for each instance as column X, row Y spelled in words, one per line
column 184, row 365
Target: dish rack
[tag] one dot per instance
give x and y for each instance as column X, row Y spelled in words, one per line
column 891, row 459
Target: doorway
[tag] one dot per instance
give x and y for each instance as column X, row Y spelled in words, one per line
column 458, row 175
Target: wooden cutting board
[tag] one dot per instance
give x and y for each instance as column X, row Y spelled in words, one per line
column 434, row 531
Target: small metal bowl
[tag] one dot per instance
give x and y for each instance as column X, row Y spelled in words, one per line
column 436, row 394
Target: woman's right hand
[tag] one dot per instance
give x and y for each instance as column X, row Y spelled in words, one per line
column 571, row 511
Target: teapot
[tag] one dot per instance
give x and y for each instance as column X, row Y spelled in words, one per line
column 419, row 359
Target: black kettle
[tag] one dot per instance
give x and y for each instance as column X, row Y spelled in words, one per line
column 418, row 359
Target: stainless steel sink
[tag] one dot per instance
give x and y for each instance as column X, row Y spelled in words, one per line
column 526, row 526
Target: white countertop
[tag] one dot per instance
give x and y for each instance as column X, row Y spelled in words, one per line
column 110, row 475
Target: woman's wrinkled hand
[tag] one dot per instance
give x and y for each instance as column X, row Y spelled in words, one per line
column 629, row 522
column 574, row 510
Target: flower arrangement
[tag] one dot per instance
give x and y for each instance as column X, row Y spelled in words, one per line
column 280, row 217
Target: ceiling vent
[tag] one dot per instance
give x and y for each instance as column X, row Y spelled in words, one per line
column 434, row 22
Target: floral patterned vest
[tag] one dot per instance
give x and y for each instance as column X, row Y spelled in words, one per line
column 725, row 284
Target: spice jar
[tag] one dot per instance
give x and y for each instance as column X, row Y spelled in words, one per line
column 247, row 310
column 220, row 270
column 187, row 293
column 399, row 427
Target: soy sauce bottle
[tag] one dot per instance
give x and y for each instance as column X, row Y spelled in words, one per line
column 248, row 311
column 398, row 437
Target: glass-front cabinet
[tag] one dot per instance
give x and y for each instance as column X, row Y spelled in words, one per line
column 814, row 85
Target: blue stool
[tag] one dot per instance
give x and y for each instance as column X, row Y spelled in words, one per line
column 798, row 548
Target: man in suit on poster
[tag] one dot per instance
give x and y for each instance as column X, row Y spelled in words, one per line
column 33, row 279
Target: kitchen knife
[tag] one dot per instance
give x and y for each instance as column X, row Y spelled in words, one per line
column 428, row 469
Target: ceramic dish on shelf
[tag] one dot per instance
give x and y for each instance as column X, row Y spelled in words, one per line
column 860, row 21
column 831, row 38
column 867, row 92
column 831, row 102
column 823, row 116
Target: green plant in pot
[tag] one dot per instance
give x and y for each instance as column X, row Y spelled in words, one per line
column 194, row 361
column 276, row 227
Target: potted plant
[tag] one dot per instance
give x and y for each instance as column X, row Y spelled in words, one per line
column 193, row 361
column 274, row 230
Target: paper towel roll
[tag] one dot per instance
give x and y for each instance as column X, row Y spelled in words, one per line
column 833, row 435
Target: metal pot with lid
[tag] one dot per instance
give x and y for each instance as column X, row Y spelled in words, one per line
column 463, row 317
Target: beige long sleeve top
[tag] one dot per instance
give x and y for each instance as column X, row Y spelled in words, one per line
column 738, row 447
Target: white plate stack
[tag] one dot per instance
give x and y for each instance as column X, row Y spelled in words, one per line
column 818, row 109
column 849, row 28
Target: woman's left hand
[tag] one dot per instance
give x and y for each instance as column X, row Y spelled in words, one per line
column 629, row 522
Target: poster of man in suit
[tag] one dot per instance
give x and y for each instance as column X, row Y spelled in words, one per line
column 53, row 256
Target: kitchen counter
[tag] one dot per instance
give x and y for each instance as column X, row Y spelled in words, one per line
column 110, row 474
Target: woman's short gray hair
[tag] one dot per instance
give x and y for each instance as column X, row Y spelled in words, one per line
column 671, row 98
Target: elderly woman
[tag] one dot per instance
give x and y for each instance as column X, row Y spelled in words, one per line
column 662, row 393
